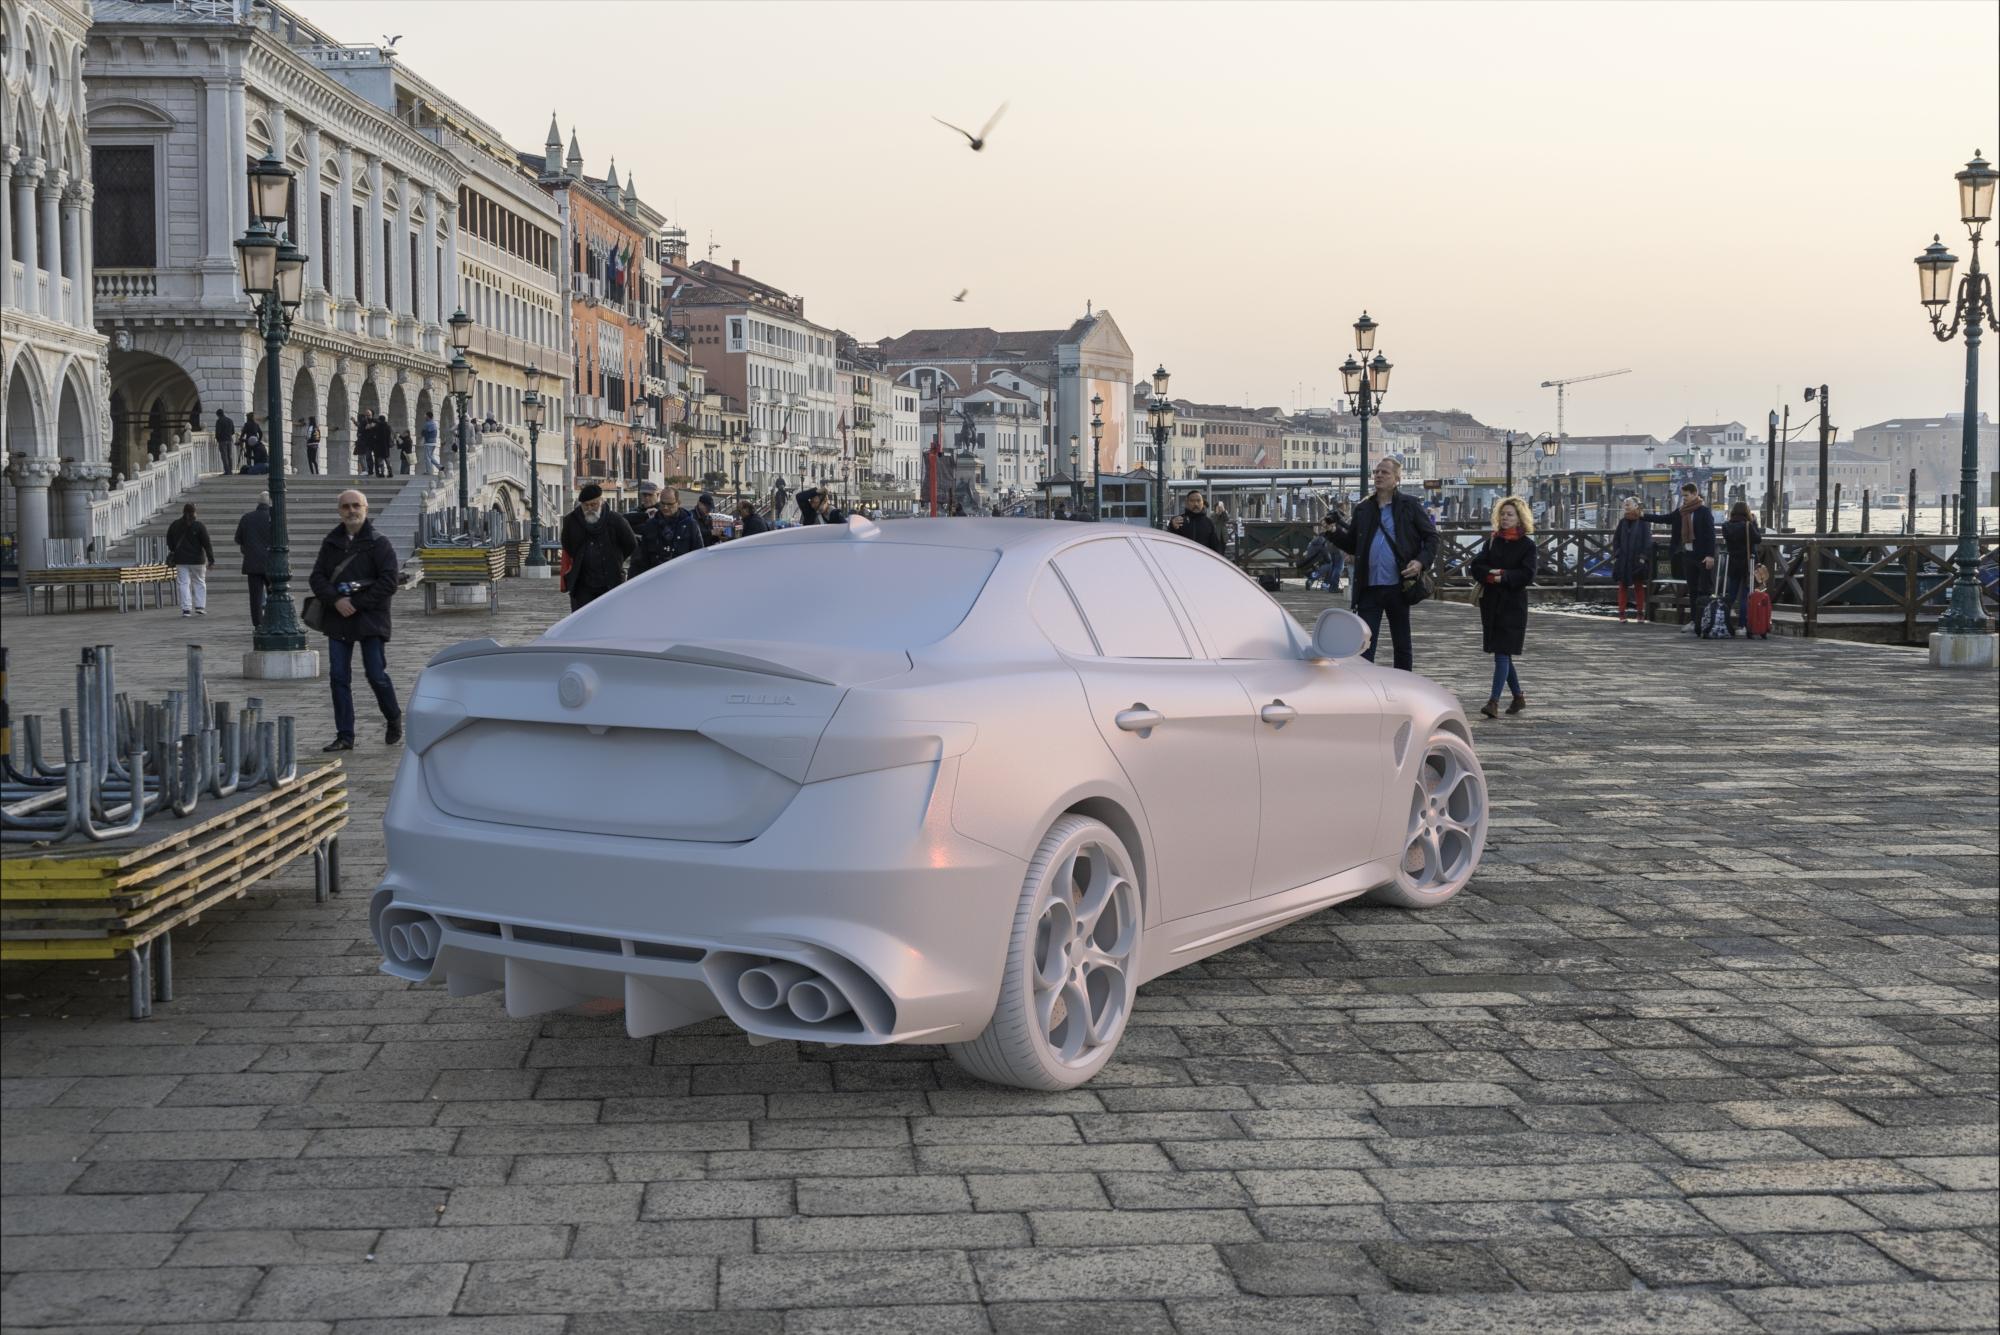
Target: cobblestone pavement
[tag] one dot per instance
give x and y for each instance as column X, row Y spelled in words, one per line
column 1709, row 1046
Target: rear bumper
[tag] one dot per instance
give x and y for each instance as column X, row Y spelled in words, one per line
column 861, row 880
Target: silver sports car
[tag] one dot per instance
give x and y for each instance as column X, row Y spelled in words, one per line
column 967, row 782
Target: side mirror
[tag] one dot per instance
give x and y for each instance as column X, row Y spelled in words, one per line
column 1338, row 634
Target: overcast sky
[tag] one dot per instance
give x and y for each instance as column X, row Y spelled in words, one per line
column 1725, row 198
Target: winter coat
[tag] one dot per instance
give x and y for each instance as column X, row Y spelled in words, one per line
column 752, row 525
column 1632, row 552
column 1198, row 529
column 254, row 534
column 809, row 507
column 1319, row 552
column 666, row 536
column 372, row 571
column 597, row 552
column 1503, row 607
column 1704, row 532
column 188, row 544
column 1740, row 537
column 1415, row 540
column 225, row 430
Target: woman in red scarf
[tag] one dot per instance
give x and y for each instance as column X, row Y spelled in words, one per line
column 1503, row 570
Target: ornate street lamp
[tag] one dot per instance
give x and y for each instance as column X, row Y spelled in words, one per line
column 273, row 273
column 1365, row 382
column 1096, row 451
column 1964, row 636
column 462, row 376
column 1160, row 417
column 1543, row 445
column 531, row 410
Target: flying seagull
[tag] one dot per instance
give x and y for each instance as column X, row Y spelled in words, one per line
column 962, row 294
column 978, row 141
column 389, row 41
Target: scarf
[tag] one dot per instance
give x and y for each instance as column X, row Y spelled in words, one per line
column 1506, row 534
column 1687, row 523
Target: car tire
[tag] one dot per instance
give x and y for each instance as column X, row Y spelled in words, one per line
column 1445, row 826
column 1072, row 964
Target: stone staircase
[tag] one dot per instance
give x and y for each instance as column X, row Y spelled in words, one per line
column 395, row 504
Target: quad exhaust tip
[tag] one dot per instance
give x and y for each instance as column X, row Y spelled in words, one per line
column 411, row 941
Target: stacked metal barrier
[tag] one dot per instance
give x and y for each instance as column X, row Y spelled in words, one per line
column 124, row 761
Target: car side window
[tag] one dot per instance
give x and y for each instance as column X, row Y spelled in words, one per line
column 1235, row 617
column 1055, row 612
column 1121, row 601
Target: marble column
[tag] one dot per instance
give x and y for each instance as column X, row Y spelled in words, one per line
column 309, row 197
column 343, row 238
column 51, row 196
column 25, row 181
column 239, row 158
column 371, row 245
column 404, row 300
column 32, row 475
column 86, row 196
column 72, row 254
column 450, row 285
column 427, row 251
column 82, row 483
column 6, row 229
column 217, row 150
column 279, row 143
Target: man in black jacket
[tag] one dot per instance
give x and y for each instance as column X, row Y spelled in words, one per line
column 1386, row 552
column 598, row 542
column 354, row 579
column 1194, row 524
column 1693, row 551
column 253, row 538
column 225, row 440
column 669, row 532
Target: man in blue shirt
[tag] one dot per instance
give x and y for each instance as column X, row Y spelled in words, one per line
column 1392, row 540
column 430, row 443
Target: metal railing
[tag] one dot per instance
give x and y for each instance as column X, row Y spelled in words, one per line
column 140, row 497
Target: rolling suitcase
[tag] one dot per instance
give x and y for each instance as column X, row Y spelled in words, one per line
column 1711, row 620
column 1758, row 620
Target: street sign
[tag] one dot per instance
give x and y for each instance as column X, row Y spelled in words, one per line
column 1433, row 484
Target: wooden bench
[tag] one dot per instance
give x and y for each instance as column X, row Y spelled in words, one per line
column 96, row 901
column 127, row 583
column 485, row 566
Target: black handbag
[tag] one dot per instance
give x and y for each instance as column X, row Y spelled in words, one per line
column 312, row 612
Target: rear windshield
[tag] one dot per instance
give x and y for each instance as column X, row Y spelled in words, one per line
column 857, row 595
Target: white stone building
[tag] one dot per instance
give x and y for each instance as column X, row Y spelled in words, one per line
column 183, row 97
column 57, row 442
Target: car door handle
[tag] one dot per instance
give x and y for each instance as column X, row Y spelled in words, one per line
column 1140, row 719
column 1277, row 713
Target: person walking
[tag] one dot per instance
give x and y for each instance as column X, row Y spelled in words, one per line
column 1632, row 558
column 363, row 440
column 380, row 444
column 225, row 440
column 1693, row 551
column 1391, row 540
column 1194, row 524
column 1502, row 572
column 649, row 504
column 669, row 532
column 253, row 445
column 1739, row 538
column 429, row 437
column 254, row 535
column 405, row 450
column 354, row 580
column 704, row 518
column 190, row 553
column 597, row 542
column 312, row 446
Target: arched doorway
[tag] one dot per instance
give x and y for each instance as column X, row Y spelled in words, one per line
column 399, row 413
column 25, row 418
column 161, row 405
column 305, row 409
column 339, row 428
column 70, row 516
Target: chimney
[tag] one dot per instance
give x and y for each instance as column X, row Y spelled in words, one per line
column 736, row 266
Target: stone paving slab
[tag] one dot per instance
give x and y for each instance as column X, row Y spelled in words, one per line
column 1708, row 1046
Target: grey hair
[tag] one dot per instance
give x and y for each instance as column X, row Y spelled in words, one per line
column 263, row 498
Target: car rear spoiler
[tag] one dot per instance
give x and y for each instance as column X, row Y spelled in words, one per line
column 822, row 665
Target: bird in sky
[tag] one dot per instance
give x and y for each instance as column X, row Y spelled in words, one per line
column 389, row 41
column 962, row 293
column 978, row 141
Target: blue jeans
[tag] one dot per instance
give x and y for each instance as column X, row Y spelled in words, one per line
column 1737, row 595
column 1372, row 604
column 375, row 663
column 1503, row 675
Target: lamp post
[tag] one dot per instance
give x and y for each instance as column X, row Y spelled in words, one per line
column 736, row 465
column 1544, row 445
column 1964, row 636
column 462, row 376
column 1160, row 416
column 1366, row 382
column 274, row 272
column 531, row 409
column 1096, row 450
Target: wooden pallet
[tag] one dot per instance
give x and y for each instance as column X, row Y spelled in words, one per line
column 123, row 896
column 115, row 580
column 462, row 565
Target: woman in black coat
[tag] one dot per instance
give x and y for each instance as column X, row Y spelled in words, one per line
column 190, row 553
column 1740, row 538
column 1503, row 570
column 1632, row 557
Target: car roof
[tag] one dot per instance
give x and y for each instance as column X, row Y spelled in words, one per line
column 1009, row 536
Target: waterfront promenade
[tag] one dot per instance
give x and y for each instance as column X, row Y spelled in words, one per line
column 1708, row 1046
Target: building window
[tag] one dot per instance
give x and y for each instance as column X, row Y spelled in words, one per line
column 124, row 231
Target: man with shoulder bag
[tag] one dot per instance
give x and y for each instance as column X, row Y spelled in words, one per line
column 1393, row 542
column 353, row 581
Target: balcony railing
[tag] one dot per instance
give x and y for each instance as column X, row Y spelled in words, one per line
column 126, row 284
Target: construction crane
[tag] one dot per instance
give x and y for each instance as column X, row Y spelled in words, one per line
column 1557, row 386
